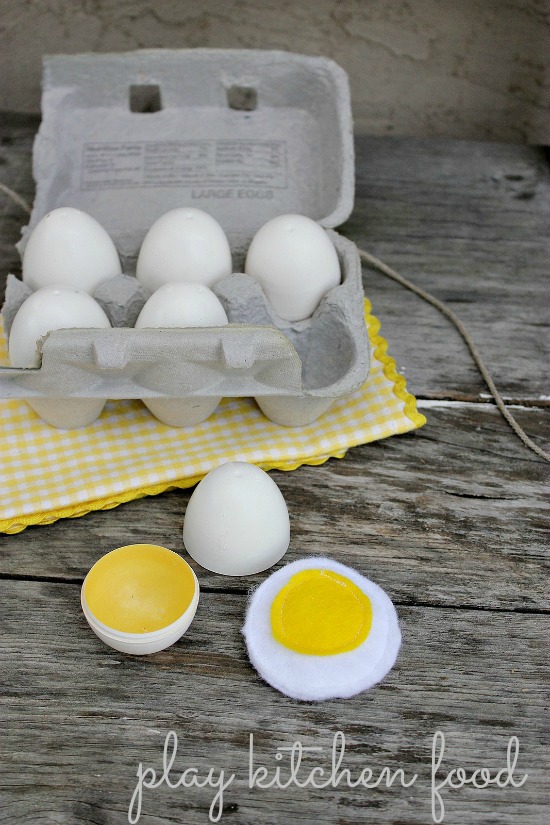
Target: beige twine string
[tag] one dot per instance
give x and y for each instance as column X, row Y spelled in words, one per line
column 15, row 197
column 431, row 299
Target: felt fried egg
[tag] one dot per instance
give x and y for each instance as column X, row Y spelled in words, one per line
column 317, row 630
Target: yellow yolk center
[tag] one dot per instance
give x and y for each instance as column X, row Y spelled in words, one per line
column 139, row 588
column 320, row 613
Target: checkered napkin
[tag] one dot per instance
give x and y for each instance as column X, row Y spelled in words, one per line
column 47, row 474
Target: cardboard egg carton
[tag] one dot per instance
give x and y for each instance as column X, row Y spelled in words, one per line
column 243, row 135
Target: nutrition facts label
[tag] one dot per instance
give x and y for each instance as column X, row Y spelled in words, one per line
column 258, row 163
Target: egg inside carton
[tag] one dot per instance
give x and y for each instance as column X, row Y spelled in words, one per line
column 294, row 370
column 302, row 120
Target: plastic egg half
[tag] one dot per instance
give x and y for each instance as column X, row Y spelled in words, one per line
column 140, row 598
column 236, row 521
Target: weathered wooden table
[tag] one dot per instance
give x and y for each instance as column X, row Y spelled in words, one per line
column 449, row 520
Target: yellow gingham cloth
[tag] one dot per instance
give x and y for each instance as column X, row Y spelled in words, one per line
column 47, row 474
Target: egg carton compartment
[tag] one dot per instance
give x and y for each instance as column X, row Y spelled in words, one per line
column 294, row 370
column 245, row 135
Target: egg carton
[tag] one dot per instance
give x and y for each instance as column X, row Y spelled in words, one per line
column 243, row 135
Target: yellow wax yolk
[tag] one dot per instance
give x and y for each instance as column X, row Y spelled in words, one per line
column 139, row 588
column 320, row 613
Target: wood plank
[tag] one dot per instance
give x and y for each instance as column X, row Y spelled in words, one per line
column 468, row 222
column 454, row 514
column 447, row 519
column 16, row 138
column 77, row 718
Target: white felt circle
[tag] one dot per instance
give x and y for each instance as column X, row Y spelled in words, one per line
column 307, row 677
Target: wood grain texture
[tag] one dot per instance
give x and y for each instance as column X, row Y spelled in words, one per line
column 468, row 222
column 80, row 718
column 418, row 513
column 451, row 520
column 16, row 138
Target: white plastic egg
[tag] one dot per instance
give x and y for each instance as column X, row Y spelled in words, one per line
column 184, row 244
column 182, row 305
column 44, row 311
column 69, row 248
column 295, row 262
column 48, row 309
column 236, row 522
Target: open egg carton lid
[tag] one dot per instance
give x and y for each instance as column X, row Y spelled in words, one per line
column 245, row 135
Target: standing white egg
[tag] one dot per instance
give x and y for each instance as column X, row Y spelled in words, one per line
column 182, row 305
column 44, row 311
column 236, row 522
column 184, row 244
column 295, row 262
column 48, row 309
column 69, row 248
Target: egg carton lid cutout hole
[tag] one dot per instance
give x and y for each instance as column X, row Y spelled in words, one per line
column 243, row 135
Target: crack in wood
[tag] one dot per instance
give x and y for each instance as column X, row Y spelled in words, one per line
column 479, row 496
column 245, row 591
